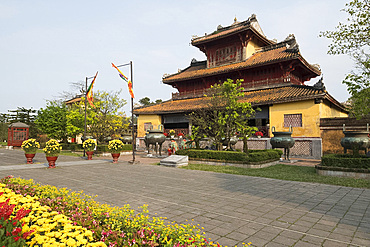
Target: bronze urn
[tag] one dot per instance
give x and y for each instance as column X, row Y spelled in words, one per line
column 156, row 138
column 283, row 139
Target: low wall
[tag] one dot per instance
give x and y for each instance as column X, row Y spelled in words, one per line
column 309, row 148
column 332, row 132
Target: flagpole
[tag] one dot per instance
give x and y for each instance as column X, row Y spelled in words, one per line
column 132, row 110
column 85, row 114
column 132, row 116
column 85, row 111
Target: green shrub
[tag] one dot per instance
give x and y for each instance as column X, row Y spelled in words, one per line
column 233, row 156
column 345, row 160
column 104, row 148
column 71, row 146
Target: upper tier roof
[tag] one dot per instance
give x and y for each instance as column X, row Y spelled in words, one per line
column 283, row 51
column 237, row 27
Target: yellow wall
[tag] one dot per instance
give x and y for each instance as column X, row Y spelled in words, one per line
column 311, row 114
column 156, row 120
column 327, row 111
column 251, row 48
column 310, row 117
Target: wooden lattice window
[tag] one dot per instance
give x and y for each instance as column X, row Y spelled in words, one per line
column 294, row 120
column 148, row 126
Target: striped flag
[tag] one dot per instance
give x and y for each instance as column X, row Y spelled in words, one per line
column 89, row 93
column 129, row 83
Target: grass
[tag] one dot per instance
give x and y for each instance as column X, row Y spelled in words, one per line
column 284, row 172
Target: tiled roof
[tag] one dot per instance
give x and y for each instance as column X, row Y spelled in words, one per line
column 230, row 30
column 75, row 100
column 284, row 94
column 262, row 57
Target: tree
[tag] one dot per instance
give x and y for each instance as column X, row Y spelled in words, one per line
column 106, row 119
column 26, row 116
column 75, row 120
column 3, row 127
column 225, row 113
column 146, row 101
column 53, row 120
column 352, row 38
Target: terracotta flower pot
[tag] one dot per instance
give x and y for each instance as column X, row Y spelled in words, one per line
column 29, row 158
column 89, row 154
column 115, row 157
column 51, row 160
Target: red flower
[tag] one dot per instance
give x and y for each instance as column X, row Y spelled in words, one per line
column 16, row 231
column 16, row 238
column 258, row 133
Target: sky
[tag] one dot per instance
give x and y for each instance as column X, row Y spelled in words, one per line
column 47, row 45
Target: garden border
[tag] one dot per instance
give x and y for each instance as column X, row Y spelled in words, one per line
column 342, row 172
column 235, row 164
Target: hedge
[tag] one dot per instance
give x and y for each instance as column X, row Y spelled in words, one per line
column 345, row 160
column 104, row 148
column 239, row 157
column 71, row 146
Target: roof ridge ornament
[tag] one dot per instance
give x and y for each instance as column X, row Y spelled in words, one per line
column 291, row 43
column 320, row 84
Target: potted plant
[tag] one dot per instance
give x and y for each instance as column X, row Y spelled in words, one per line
column 89, row 145
column 259, row 134
column 52, row 150
column 30, row 147
column 173, row 146
column 172, row 133
column 115, row 147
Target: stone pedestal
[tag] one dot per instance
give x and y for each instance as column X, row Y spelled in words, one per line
column 175, row 161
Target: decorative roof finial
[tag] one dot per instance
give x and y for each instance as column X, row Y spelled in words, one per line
column 235, row 21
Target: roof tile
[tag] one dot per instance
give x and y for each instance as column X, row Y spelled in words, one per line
column 259, row 58
column 255, row 97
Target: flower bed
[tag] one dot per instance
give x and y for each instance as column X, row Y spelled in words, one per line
column 112, row 225
column 40, row 225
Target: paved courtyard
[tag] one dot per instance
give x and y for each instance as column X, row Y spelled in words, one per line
column 232, row 209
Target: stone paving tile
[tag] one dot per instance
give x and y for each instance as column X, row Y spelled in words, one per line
column 322, row 227
column 256, row 241
column 275, row 244
column 305, row 223
column 231, row 208
column 285, row 240
column 246, row 230
column 299, row 228
column 313, row 240
column 361, row 242
column 228, row 241
column 305, row 244
column 331, row 243
column 237, row 236
column 282, row 225
column 292, row 234
column 340, row 237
